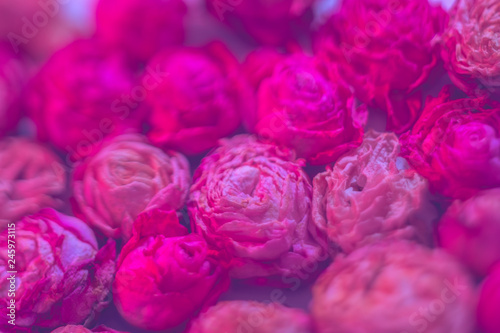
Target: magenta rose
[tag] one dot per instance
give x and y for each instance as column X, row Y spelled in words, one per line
column 470, row 46
column 200, row 99
column 394, row 287
column 80, row 96
column 489, row 303
column 126, row 177
column 31, row 178
column 249, row 316
column 372, row 194
column 272, row 22
column 470, row 230
column 164, row 275
column 304, row 105
column 455, row 144
column 385, row 49
column 12, row 76
column 82, row 329
column 61, row 275
column 140, row 28
column 252, row 201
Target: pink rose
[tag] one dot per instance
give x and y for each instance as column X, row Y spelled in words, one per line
column 249, row 316
column 470, row 230
column 81, row 95
column 394, row 287
column 300, row 107
column 12, row 13
column 385, row 49
column 199, row 100
column 31, row 178
column 455, row 144
column 252, row 201
column 140, row 28
column 126, row 177
column 371, row 194
column 62, row 277
column 165, row 275
column 489, row 303
column 272, row 22
column 470, row 46
column 82, row 329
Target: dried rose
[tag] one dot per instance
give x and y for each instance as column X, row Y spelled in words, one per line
column 489, row 303
column 12, row 76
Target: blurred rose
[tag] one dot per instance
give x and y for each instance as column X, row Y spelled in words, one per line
column 371, row 194
column 126, row 177
column 31, row 178
column 470, row 46
column 385, row 49
column 298, row 106
column 140, row 28
column 199, row 100
column 61, row 276
column 255, row 317
column 394, row 287
column 470, row 230
column 272, row 22
column 80, row 96
column 11, row 14
column 82, row 329
column 252, row 201
column 12, row 76
column 489, row 303
column 455, row 144
column 165, row 275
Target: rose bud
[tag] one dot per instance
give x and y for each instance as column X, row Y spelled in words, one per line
column 371, row 194
column 470, row 46
column 126, row 177
column 455, row 144
column 140, row 28
column 82, row 329
column 298, row 106
column 394, row 287
column 80, row 96
column 199, row 99
column 470, row 230
column 385, row 49
column 249, row 316
column 31, row 178
column 489, row 303
column 61, row 275
column 165, row 275
column 252, row 201
column 271, row 22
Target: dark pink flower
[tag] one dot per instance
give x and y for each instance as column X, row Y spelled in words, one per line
column 164, row 275
column 126, row 177
column 82, row 329
column 489, row 303
column 385, row 49
column 394, row 287
column 62, row 277
column 252, row 201
column 455, row 144
column 470, row 46
column 140, row 28
column 199, row 100
column 12, row 76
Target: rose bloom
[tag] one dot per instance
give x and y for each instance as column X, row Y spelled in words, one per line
column 81, row 95
column 31, row 178
column 385, row 49
column 126, row 177
column 455, row 144
column 304, row 104
column 11, row 13
column 165, row 275
column 394, row 287
column 470, row 46
column 470, row 230
column 249, row 316
column 489, row 303
column 271, row 22
column 372, row 194
column 252, row 201
column 82, row 329
column 12, row 77
column 200, row 99
column 62, row 277
column 140, row 28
